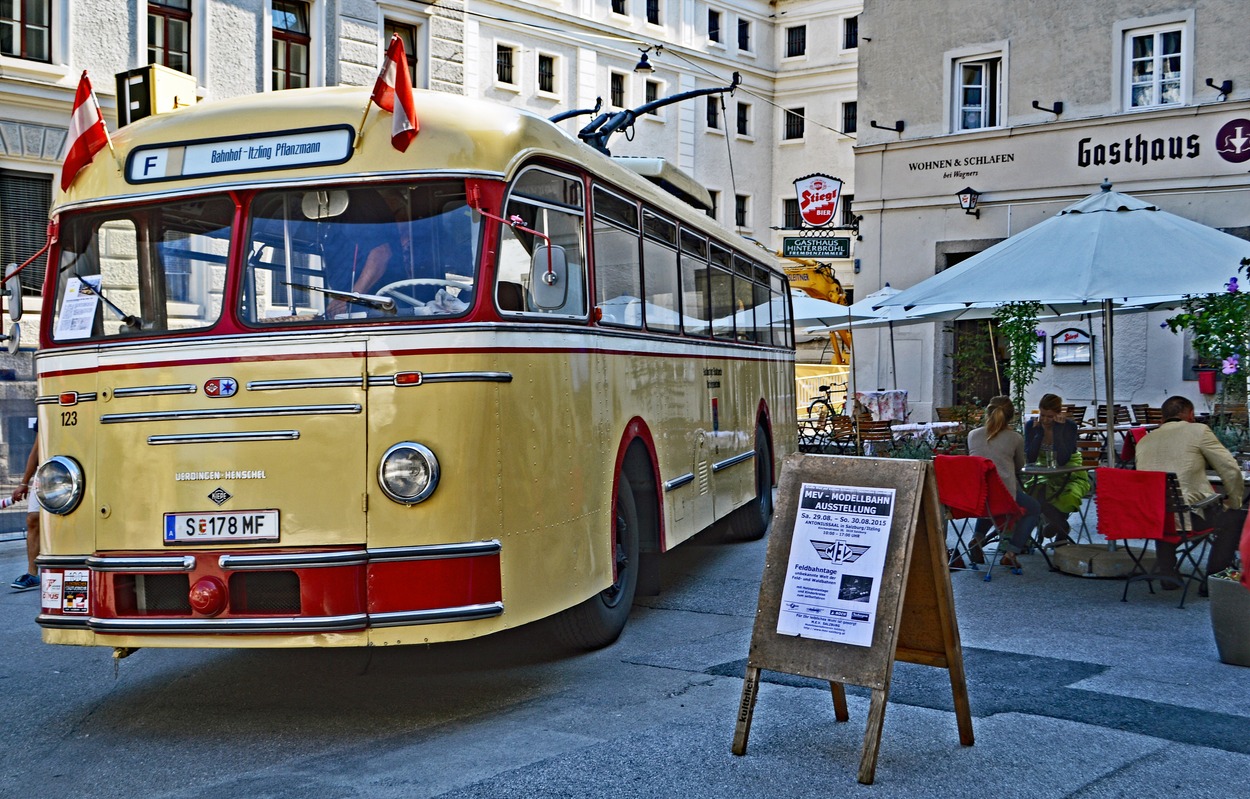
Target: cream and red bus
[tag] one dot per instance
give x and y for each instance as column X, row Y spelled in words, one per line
column 297, row 388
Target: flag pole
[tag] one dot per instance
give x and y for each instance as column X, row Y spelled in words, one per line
column 360, row 137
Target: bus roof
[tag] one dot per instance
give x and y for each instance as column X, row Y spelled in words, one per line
column 208, row 146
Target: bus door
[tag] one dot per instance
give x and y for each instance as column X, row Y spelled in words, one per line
column 263, row 446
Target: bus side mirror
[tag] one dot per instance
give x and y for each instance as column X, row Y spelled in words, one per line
column 13, row 289
column 14, row 339
column 549, row 277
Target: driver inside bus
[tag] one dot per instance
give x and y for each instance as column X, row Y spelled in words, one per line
column 390, row 258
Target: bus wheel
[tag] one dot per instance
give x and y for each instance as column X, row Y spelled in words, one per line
column 599, row 620
column 750, row 522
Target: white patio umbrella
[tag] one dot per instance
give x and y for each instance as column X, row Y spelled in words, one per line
column 807, row 311
column 1109, row 250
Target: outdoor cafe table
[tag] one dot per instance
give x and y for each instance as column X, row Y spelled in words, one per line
column 884, row 405
column 1037, row 470
column 931, row 432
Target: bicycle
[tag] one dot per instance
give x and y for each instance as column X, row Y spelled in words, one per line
column 822, row 407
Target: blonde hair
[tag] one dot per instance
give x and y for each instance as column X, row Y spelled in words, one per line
column 1050, row 402
column 997, row 415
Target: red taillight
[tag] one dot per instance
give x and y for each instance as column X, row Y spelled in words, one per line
column 408, row 379
column 68, row 398
column 208, row 596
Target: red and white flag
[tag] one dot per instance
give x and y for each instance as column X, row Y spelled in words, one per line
column 394, row 84
column 87, row 134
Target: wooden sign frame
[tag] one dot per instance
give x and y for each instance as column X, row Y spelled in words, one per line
column 915, row 617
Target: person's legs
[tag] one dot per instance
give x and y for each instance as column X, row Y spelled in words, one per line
column 1024, row 527
column 1227, row 535
column 32, row 543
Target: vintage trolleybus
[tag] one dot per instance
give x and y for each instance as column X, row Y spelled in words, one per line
column 297, row 388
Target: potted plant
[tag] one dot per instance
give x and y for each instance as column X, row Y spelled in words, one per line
column 1230, row 616
column 1220, row 324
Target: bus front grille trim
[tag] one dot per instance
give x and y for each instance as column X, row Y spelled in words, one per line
column 230, row 413
column 309, row 624
column 437, row 615
column 154, row 391
column 218, row 438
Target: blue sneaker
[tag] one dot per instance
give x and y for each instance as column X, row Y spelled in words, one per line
column 25, row 583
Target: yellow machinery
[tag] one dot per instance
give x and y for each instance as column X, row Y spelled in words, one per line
column 817, row 280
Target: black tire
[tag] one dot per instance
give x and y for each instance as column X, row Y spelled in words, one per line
column 751, row 521
column 599, row 620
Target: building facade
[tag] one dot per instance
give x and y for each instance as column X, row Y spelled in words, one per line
column 1034, row 105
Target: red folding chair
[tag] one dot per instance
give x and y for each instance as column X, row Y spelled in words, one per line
column 1144, row 505
column 969, row 488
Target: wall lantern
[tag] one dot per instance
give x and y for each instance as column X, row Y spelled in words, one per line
column 968, row 197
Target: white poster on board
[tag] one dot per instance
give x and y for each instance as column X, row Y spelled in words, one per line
column 77, row 314
column 837, row 556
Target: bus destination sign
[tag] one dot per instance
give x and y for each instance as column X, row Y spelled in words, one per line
column 816, row 247
column 258, row 153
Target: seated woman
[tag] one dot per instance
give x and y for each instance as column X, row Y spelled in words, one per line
column 1005, row 447
column 1052, row 441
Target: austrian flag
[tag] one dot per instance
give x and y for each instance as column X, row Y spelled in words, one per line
column 87, row 134
column 394, row 84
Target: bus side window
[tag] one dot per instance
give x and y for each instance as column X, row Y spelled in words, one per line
column 549, row 203
column 694, row 285
column 618, row 263
column 659, row 258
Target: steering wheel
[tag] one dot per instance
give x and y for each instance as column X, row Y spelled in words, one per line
column 392, row 289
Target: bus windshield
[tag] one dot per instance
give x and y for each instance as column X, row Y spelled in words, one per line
column 143, row 269
column 360, row 253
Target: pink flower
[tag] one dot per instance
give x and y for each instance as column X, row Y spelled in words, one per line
column 1230, row 365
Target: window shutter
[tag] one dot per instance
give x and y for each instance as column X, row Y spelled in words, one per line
column 24, row 204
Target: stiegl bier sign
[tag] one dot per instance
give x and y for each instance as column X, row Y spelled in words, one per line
column 818, row 199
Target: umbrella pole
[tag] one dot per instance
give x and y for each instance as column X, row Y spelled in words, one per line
column 1109, row 368
column 1093, row 369
column 998, row 378
column 893, row 360
column 851, row 405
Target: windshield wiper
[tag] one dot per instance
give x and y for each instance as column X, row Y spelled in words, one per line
column 375, row 301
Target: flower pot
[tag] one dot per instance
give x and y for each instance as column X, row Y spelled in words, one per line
column 1230, row 620
column 1206, row 381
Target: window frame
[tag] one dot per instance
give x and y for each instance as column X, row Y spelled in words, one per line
column 850, row 32
column 513, row 50
column 742, row 120
column 618, row 80
column 619, row 8
column 159, row 9
column 715, row 35
column 850, row 116
column 955, row 60
column 788, row 42
column 554, row 90
column 1184, row 78
column 713, row 118
column 653, row 12
column 788, row 126
column 744, row 35
column 790, row 214
column 742, row 212
column 290, row 39
column 24, row 29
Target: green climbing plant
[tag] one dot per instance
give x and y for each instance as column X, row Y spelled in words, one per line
column 1017, row 325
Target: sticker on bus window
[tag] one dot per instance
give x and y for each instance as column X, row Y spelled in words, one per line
column 77, row 315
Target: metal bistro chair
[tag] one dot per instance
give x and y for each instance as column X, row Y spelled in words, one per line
column 969, row 488
column 1148, row 506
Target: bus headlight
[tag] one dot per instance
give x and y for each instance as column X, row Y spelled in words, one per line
column 408, row 473
column 60, row 485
